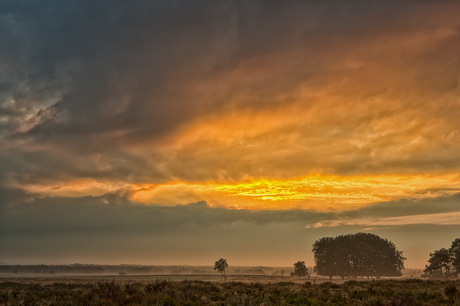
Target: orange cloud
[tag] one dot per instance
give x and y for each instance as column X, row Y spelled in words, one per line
column 319, row 192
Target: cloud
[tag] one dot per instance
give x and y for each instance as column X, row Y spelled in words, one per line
column 317, row 192
column 114, row 212
column 450, row 218
column 303, row 87
column 408, row 207
column 111, row 228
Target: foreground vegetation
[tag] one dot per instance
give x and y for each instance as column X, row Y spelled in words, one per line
column 162, row 292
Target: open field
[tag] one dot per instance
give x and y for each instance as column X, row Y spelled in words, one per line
column 146, row 278
column 209, row 290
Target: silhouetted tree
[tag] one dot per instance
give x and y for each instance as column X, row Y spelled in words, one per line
column 455, row 251
column 300, row 269
column 353, row 255
column 439, row 263
column 220, row 266
column 444, row 263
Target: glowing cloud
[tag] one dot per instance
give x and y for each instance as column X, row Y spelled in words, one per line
column 319, row 192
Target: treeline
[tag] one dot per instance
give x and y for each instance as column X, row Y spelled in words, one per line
column 80, row 269
column 97, row 269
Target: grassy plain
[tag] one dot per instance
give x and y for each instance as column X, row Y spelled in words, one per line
column 209, row 290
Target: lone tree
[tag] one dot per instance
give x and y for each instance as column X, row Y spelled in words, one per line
column 444, row 263
column 300, row 269
column 220, row 266
column 354, row 255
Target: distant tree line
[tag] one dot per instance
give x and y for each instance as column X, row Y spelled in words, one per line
column 52, row 269
column 357, row 255
column 444, row 263
column 77, row 269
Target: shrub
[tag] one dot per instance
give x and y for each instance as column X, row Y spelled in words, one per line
column 450, row 290
column 307, row 285
column 157, row 285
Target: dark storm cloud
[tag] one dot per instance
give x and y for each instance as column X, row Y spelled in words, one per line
column 81, row 79
column 118, row 63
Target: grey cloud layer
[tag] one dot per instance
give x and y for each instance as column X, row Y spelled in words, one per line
column 114, row 213
column 89, row 78
column 112, row 229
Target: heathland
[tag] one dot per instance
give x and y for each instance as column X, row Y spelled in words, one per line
column 124, row 291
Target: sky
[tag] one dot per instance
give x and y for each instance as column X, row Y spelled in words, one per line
column 178, row 132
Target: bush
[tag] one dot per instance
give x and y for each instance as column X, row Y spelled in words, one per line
column 307, row 285
column 451, row 290
column 157, row 285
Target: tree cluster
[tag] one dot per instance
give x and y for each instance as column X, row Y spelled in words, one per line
column 354, row 255
column 444, row 263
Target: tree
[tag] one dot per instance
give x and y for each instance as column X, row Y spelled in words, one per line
column 328, row 257
column 439, row 263
column 220, row 266
column 300, row 269
column 354, row 255
column 455, row 251
column 444, row 263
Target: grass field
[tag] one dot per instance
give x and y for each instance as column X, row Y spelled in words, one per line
column 208, row 290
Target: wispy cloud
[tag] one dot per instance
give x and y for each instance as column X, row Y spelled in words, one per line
column 451, row 218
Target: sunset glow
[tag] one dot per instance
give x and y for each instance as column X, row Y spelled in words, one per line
column 319, row 192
